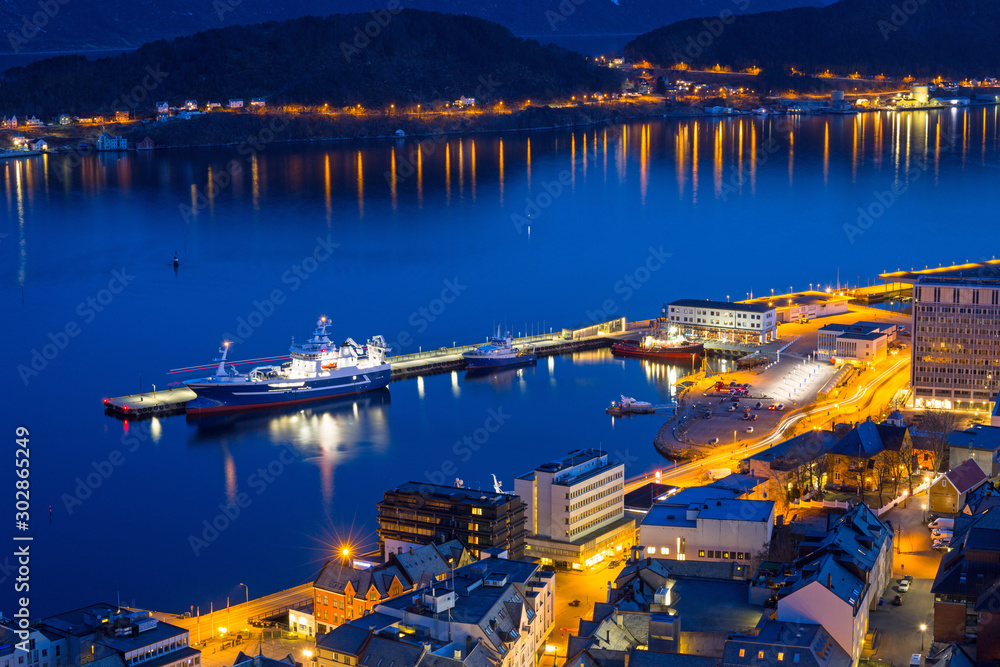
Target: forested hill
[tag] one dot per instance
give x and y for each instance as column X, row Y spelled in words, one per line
column 417, row 57
column 918, row 37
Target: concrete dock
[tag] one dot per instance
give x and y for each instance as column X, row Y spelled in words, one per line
column 442, row 360
column 149, row 404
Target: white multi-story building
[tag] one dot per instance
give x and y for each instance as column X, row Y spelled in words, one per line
column 722, row 320
column 706, row 523
column 575, row 509
column 861, row 343
column 37, row 649
column 956, row 340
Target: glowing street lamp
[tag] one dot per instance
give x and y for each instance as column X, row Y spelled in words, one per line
column 923, row 628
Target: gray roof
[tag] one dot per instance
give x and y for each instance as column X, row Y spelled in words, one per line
column 722, row 305
column 805, row 644
column 831, row 574
column 799, row 450
column 672, row 513
column 244, row 660
column 869, row 439
column 344, row 639
column 978, row 437
column 472, row 497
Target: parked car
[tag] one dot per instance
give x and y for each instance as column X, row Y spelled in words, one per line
column 749, row 429
column 941, row 545
column 941, row 524
column 732, row 408
column 753, row 418
column 746, row 418
column 758, row 406
column 941, row 535
column 908, row 578
column 897, row 601
column 772, row 407
column 713, row 441
column 903, row 587
column 781, row 406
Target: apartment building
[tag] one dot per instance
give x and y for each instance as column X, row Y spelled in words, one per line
column 722, row 320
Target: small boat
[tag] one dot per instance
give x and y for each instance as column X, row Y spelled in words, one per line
column 499, row 351
column 654, row 348
column 630, row 406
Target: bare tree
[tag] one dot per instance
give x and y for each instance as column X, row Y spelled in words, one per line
column 935, row 425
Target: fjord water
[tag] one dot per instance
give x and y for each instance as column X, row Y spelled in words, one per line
column 425, row 246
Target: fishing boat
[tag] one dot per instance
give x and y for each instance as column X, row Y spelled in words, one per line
column 319, row 369
column 498, row 352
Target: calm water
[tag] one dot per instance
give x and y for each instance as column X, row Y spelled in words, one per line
column 437, row 253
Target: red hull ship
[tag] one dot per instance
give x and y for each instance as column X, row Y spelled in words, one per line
column 633, row 348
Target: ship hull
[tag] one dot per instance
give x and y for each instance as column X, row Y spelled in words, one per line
column 219, row 397
column 488, row 362
column 681, row 352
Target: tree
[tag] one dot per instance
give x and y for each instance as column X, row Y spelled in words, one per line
column 935, row 425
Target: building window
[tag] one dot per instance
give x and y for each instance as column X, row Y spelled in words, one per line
column 725, row 554
column 664, row 551
column 701, row 554
column 651, row 550
column 743, row 652
column 781, row 656
column 760, row 655
column 477, row 511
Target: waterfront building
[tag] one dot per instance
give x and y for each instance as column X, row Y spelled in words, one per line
column 121, row 636
column 804, row 306
column 106, row 142
column 723, row 321
column 145, row 145
column 40, row 648
column 956, row 339
column 415, row 514
column 348, row 589
column 708, row 523
column 979, row 443
column 861, row 343
column 575, row 510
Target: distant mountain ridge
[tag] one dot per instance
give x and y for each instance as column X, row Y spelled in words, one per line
column 920, row 38
column 416, row 58
column 71, row 25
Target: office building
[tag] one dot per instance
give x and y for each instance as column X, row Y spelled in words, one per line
column 956, row 340
column 575, row 510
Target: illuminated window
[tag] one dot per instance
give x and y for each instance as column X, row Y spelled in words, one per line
column 651, row 550
column 760, row 655
column 664, row 551
column 478, row 511
column 725, row 554
column 701, row 553
column 781, row 656
column 743, row 652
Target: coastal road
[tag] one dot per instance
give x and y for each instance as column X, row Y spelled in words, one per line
column 236, row 618
column 875, row 391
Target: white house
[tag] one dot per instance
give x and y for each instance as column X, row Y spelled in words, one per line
column 838, row 580
column 191, row 105
column 106, row 142
column 257, row 102
column 162, row 107
column 235, row 104
column 706, row 523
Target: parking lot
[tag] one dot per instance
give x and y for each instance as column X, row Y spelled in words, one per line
column 899, row 627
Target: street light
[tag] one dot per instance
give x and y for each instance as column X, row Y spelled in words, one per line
column 248, row 592
column 923, row 628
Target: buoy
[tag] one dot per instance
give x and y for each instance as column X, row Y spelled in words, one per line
column 176, row 261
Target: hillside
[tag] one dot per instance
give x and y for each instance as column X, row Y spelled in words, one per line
column 947, row 37
column 420, row 58
column 128, row 23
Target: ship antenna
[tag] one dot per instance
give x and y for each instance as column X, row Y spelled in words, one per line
column 222, row 361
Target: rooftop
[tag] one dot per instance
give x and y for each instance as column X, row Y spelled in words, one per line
column 458, row 494
column 673, row 513
column 978, row 437
column 577, row 466
column 722, row 305
column 798, row 450
column 807, row 644
column 799, row 298
column 966, row 476
column 987, row 271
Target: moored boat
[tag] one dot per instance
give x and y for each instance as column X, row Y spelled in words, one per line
column 630, row 406
column 319, row 369
column 499, row 351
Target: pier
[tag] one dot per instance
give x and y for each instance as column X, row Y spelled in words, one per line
column 442, row 360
